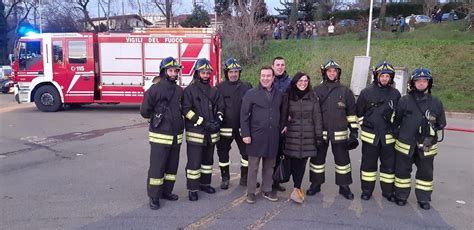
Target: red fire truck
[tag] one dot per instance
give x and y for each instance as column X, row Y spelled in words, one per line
column 56, row 69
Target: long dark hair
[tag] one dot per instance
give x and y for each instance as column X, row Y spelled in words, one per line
column 293, row 88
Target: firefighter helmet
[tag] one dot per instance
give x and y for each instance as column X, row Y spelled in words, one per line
column 167, row 63
column 231, row 64
column 330, row 64
column 384, row 68
column 201, row 64
column 421, row 73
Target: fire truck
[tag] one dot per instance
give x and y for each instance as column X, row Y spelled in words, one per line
column 57, row 69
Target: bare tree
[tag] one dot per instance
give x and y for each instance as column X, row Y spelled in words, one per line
column 106, row 11
column 11, row 17
column 20, row 9
column 140, row 12
column 428, row 6
column 294, row 11
column 383, row 10
column 243, row 30
column 166, row 8
column 82, row 6
column 61, row 17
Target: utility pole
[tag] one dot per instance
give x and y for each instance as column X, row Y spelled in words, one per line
column 369, row 31
column 123, row 8
column 40, row 16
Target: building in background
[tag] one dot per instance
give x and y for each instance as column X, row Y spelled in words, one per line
column 120, row 22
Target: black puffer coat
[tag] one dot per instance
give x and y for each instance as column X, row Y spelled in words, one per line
column 302, row 117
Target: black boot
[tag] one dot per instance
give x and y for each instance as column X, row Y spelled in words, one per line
column 170, row 196
column 278, row 187
column 313, row 189
column 365, row 196
column 390, row 197
column 207, row 189
column 225, row 177
column 424, row 205
column 193, row 195
column 154, row 203
column 400, row 202
column 225, row 184
column 345, row 191
column 243, row 181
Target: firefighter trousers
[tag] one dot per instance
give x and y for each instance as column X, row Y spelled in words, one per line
column 223, row 148
column 199, row 166
column 164, row 162
column 424, row 176
column 341, row 158
column 368, row 168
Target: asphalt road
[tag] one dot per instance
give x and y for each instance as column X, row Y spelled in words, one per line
column 86, row 169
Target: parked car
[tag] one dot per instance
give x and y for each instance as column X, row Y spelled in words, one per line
column 445, row 17
column 419, row 19
column 6, row 85
column 346, row 23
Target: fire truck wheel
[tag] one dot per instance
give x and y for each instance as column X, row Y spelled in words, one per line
column 47, row 99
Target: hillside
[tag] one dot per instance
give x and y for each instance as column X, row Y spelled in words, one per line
column 446, row 49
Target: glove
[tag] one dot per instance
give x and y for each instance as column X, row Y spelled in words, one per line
column 427, row 143
column 212, row 126
column 319, row 141
column 352, row 143
column 395, row 133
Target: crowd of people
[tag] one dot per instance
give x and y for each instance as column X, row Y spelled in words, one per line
column 300, row 29
column 398, row 24
column 287, row 119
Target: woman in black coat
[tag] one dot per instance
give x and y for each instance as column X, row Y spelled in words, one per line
column 301, row 117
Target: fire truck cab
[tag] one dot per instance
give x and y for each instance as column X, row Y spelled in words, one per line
column 55, row 69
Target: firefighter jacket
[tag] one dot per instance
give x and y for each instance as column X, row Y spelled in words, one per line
column 202, row 104
column 162, row 105
column 302, row 117
column 232, row 92
column 415, row 128
column 338, row 109
column 375, row 109
column 281, row 83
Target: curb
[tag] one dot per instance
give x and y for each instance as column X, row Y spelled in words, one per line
column 460, row 115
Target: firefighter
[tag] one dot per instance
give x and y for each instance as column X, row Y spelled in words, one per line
column 339, row 113
column 418, row 117
column 203, row 108
column 162, row 105
column 232, row 90
column 375, row 110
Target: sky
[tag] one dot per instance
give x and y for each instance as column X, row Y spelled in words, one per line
column 184, row 7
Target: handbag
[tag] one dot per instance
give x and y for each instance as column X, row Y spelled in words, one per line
column 282, row 171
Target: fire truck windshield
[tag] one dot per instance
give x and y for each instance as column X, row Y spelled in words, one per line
column 30, row 54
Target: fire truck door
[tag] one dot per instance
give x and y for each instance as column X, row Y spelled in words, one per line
column 78, row 77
